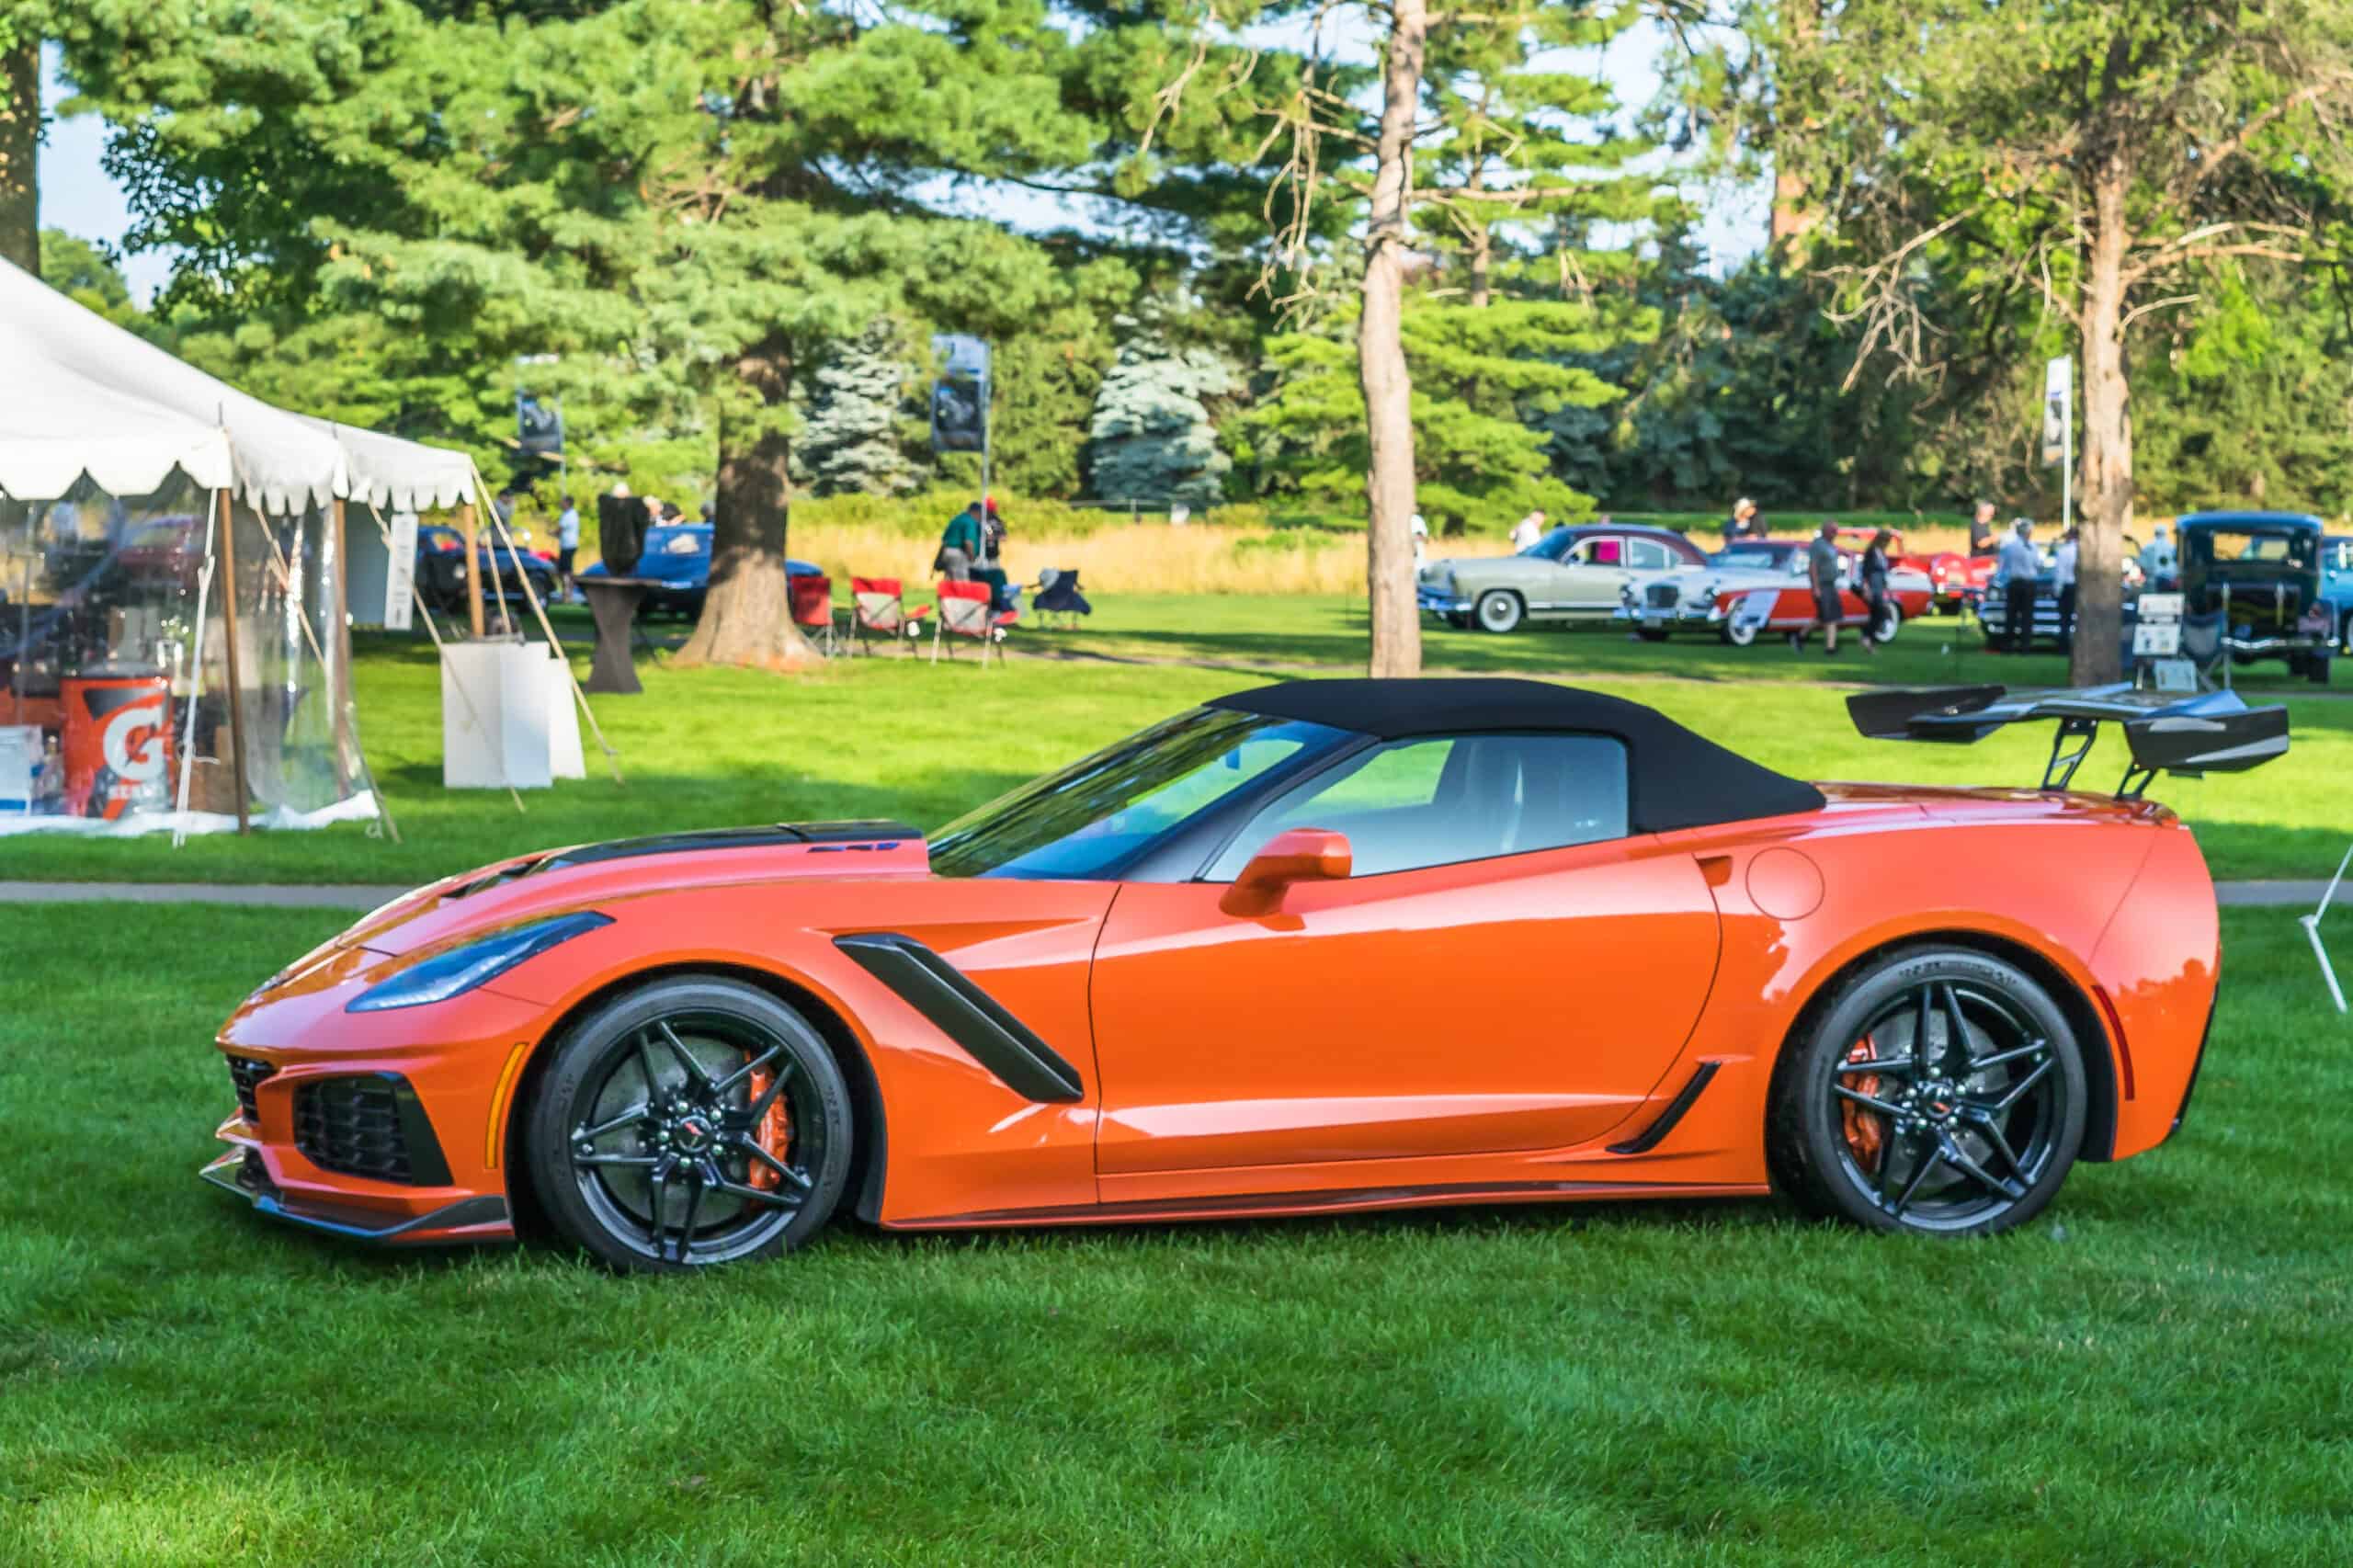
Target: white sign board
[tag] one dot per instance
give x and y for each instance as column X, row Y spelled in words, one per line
column 506, row 717
column 2177, row 674
column 2157, row 639
column 2159, row 606
column 399, row 571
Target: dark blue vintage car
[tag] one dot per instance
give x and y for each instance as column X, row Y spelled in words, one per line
column 677, row 557
column 2262, row 573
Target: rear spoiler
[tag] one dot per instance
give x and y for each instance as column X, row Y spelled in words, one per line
column 2211, row 732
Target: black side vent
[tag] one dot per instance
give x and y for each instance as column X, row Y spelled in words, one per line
column 369, row 1126
column 245, row 1075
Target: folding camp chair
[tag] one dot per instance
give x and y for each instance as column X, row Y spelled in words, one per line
column 1057, row 595
column 969, row 611
column 812, row 609
column 879, row 609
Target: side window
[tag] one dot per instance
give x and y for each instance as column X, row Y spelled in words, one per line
column 1648, row 555
column 1608, row 552
column 1449, row 799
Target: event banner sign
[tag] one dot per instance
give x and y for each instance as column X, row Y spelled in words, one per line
column 960, row 398
column 539, row 426
column 2058, row 409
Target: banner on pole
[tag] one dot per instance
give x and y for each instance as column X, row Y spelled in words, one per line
column 539, row 428
column 960, row 398
column 2058, row 409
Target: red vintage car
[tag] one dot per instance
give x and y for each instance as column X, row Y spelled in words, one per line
column 1955, row 576
column 1772, row 593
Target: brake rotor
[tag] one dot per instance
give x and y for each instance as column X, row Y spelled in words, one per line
column 1865, row 1136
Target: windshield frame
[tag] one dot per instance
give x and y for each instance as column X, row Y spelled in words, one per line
column 1171, row 854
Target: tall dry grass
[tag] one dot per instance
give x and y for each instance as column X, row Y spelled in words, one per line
column 1145, row 559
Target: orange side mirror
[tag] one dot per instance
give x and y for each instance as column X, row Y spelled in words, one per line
column 1295, row 855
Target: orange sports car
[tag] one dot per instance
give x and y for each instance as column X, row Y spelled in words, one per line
column 1322, row 946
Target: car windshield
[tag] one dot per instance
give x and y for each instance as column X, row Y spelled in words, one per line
column 1754, row 556
column 2250, row 544
column 1550, row 547
column 1096, row 815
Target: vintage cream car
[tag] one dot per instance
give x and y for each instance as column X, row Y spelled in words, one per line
column 1572, row 573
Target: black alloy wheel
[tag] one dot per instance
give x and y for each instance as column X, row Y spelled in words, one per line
column 691, row 1122
column 1941, row 1091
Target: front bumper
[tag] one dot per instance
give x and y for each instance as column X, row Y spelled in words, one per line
column 482, row 1217
column 1436, row 601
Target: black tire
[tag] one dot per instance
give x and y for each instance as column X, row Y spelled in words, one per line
column 1889, row 621
column 1459, row 621
column 1499, row 610
column 1651, row 633
column 1937, row 1145
column 2316, row 668
column 686, row 1177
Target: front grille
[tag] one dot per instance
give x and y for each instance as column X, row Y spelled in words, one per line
column 1662, row 596
column 369, row 1126
column 245, row 1074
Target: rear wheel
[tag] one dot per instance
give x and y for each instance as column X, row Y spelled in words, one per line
column 1941, row 1091
column 1499, row 610
column 689, row 1123
column 1890, row 621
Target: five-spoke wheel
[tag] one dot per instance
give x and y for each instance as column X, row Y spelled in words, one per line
column 1940, row 1090
column 689, row 1123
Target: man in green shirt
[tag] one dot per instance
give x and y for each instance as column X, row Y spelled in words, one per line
column 960, row 545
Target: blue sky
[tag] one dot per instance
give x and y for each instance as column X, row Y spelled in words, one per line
column 77, row 197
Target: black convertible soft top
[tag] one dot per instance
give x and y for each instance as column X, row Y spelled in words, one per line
column 1674, row 779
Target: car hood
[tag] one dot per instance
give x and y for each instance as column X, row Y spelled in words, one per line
column 554, row 880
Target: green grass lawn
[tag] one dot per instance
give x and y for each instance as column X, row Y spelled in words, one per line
column 2154, row 1372
column 895, row 736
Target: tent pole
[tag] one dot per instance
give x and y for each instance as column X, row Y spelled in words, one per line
column 24, row 618
column 612, row 757
column 339, row 682
column 473, row 564
column 195, row 674
column 229, row 631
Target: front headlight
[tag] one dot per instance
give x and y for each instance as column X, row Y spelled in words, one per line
column 459, row 969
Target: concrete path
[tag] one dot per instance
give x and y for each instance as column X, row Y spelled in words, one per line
column 272, row 895
column 286, row 896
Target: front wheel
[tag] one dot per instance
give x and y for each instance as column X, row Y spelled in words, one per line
column 1651, row 633
column 1939, row 1091
column 1740, row 633
column 1498, row 610
column 689, row 1122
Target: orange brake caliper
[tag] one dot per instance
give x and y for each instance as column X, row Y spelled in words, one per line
column 775, row 1133
column 1864, row 1134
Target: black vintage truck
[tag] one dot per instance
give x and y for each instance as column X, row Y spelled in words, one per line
column 2262, row 571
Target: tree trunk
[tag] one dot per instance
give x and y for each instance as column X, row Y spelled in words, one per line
column 21, row 154
column 747, row 613
column 1380, row 358
column 2106, row 478
column 1793, row 215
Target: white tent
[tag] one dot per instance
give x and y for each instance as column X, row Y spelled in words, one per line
column 89, row 410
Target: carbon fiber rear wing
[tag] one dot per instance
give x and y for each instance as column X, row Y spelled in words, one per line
column 2213, row 732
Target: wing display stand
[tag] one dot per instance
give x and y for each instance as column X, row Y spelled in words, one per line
column 2310, row 923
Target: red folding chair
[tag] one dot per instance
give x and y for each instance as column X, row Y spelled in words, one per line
column 969, row 611
column 879, row 609
column 812, row 609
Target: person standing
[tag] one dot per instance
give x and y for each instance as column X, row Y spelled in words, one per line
column 2063, row 580
column 1821, row 573
column 1527, row 532
column 960, row 544
column 2019, row 566
column 1421, row 531
column 1743, row 521
column 567, row 549
column 1981, row 530
column 1875, row 588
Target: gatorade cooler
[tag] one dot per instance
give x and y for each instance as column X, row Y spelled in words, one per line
column 117, row 742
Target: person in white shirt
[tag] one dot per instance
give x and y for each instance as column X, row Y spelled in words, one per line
column 1528, row 531
column 1421, row 541
column 2063, row 580
column 2157, row 559
column 2019, row 566
column 567, row 547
